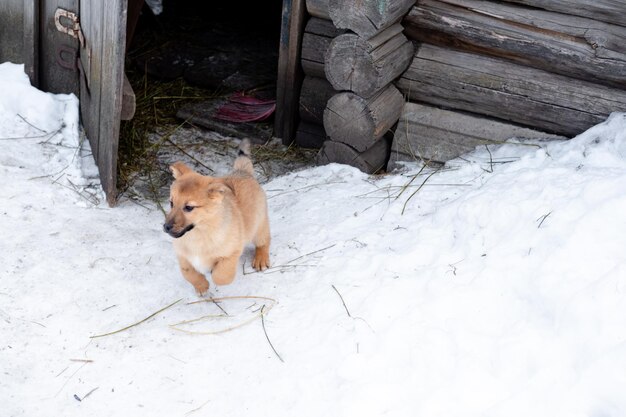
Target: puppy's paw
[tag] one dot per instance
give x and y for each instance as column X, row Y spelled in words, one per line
column 261, row 259
column 202, row 288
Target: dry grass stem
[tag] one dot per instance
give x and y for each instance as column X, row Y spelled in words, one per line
column 417, row 190
column 138, row 323
column 342, row 300
column 261, row 313
column 266, row 336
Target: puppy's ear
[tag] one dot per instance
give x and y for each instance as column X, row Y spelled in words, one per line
column 217, row 191
column 179, row 168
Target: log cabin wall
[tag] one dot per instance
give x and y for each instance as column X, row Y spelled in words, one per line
column 476, row 72
column 518, row 68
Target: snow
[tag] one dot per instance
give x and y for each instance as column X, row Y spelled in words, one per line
column 494, row 286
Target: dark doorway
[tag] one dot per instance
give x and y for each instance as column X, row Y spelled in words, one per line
column 189, row 61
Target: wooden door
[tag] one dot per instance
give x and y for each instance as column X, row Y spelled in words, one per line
column 101, row 73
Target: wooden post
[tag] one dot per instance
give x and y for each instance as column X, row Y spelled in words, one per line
column 505, row 90
column 289, row 72
column 367, row 18
column 367, row 66
column 360, row 122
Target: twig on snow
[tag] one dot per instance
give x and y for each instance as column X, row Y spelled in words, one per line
column 138, row 323
column 176, row 326
column 288, row 264
column 418, row 188
column 197, row 408
column 342, row 300
column 305, row 187
column 51, row 134
column 266, row 336
column 543, row 219
column 30, row 124
column 77, row 398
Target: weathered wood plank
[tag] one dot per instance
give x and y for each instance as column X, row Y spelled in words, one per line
column 314, row 96
column 56, row 48
column 367, row 66
column 31, row 41
column 370, row 161
column 567, row 45
column 430, row 134
column 102, row 57
column 367, row 18
column 11, row 30
column 113, row 51
column 90, row 72
column 504, row 90
column 318, row 34
column 310, row 135
column 611, row 11
column 360, row 122
column 289, row 70
column 318, row 8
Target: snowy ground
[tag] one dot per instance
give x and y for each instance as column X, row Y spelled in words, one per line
column 493, row 287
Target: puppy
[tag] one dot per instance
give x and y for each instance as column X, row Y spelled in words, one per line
column 212, row 219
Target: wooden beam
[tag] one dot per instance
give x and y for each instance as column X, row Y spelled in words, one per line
column 611, row 11
column 505, row 90
column 430, row 134
column 563, row 44
column 289, row 70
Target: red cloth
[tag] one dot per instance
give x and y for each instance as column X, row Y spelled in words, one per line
column 241, row 109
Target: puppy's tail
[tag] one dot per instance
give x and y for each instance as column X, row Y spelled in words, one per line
column 243, row 161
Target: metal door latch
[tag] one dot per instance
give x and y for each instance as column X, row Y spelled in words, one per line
column 67, row 22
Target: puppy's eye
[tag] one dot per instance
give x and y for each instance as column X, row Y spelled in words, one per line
column 171, row 204
column 188, row 208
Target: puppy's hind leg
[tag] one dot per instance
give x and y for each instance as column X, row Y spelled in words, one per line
column 194, row 277
column 262, row 247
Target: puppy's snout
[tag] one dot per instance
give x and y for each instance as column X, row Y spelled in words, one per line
column 167, row 227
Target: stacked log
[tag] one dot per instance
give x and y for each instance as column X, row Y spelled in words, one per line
column 367, row 18
column 353, row 78
column 551, row 66
column 429, row 134
column 365, row 66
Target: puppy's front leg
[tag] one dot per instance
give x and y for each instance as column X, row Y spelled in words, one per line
column 225, row 270
column 194, row 277
column 262, row 251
